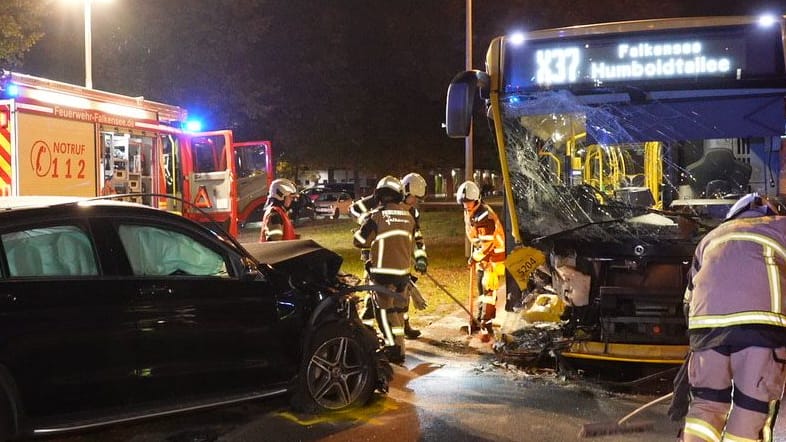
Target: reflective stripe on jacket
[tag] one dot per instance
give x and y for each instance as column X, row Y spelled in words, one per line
column 737, row 276
column 276, row 225
column 362, row 207
column 485, row 233
column 388, row 232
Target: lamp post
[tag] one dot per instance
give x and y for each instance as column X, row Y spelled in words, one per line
column 88, row 46
column 88, row 43
column 468, row 149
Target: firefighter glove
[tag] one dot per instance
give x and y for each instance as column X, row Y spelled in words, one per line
column 421, row 264
column 478, row 255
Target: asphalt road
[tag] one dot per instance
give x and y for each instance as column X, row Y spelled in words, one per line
column 450, row 388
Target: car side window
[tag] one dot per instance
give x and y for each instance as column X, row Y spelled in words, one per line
column 153, row 251
column 49, row 251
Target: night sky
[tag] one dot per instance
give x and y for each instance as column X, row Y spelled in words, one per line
column 322, row 79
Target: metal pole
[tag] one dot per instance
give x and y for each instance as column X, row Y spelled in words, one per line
column 88, row 48
column 468, row 149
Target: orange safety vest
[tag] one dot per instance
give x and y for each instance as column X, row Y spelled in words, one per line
column 288, row 229
column 485, row 232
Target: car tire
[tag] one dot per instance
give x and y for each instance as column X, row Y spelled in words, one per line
column 338, row 373
column 336, row 214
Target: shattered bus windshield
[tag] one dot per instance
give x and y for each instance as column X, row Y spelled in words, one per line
column 578, row 168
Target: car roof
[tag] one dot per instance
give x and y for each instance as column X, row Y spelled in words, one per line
column 39, row 201
column 15, row 202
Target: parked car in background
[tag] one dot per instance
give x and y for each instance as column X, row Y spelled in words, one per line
column 313, row 192
column 340, row 187
column 333, row 204
column 115, row 311
column 302, row 208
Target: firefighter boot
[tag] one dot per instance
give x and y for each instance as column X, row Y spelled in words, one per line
column 395, row 354
column 409, row 332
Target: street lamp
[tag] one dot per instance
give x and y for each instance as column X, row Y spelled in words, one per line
column 88, row 44
column 468, row 147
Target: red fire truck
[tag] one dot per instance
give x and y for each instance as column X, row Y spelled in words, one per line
column 62, row 139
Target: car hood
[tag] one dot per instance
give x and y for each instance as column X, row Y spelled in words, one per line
column 303, row 259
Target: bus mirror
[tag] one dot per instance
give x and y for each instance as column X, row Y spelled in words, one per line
column 461, row 100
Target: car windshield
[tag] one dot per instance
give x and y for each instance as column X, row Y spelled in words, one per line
column 617, row 170
column 328, row 197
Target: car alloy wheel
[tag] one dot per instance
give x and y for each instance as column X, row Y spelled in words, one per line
column 338, row 374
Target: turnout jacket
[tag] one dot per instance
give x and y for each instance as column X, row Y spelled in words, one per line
column 276, row 224
column 485, row 233
column 362, row 207
column 735, row 292
column 388, row 231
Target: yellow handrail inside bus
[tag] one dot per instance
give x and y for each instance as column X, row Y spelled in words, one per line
column 653, row 171
column 557, row 164
column 595, row 169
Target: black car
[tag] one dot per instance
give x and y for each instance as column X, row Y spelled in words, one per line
column 114, row 311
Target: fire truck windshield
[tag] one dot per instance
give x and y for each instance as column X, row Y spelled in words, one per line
column 209, row 154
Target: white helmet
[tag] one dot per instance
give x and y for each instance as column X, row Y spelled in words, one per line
column 389, row 189
column 414, row 185
column 467, row 191
column 281, row 188
column 751, row 202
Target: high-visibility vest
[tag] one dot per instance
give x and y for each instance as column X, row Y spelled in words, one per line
column 286, row 229
column 485, row 233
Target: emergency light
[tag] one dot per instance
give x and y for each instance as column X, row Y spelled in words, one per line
column 12, row 90
column 193, row 125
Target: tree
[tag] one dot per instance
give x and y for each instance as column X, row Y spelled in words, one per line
column 197, row 54
column 21, row 29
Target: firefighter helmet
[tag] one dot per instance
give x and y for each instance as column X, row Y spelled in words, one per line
column 467, row 191
column 751, row 202
column 414, row 185
column 281, row 188
column 389, row 189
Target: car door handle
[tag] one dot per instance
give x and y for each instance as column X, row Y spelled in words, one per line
column 155, row 290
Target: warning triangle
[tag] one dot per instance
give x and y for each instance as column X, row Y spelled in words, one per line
column 202, row 200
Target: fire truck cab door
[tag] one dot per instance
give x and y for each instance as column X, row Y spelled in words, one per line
column 211, row 174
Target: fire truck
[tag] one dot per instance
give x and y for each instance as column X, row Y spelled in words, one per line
column 62, row 139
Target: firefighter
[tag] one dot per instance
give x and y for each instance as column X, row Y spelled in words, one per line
column 487, row 238
column 736, row 323
column 414, row 190
column 388, row 232
column 276, row 224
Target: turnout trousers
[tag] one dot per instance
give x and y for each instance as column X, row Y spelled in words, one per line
column 734, row 396
column 390, row 313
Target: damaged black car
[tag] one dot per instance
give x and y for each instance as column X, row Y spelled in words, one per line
column 113, row 311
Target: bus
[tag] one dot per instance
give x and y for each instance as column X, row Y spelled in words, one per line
column 621, row 145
